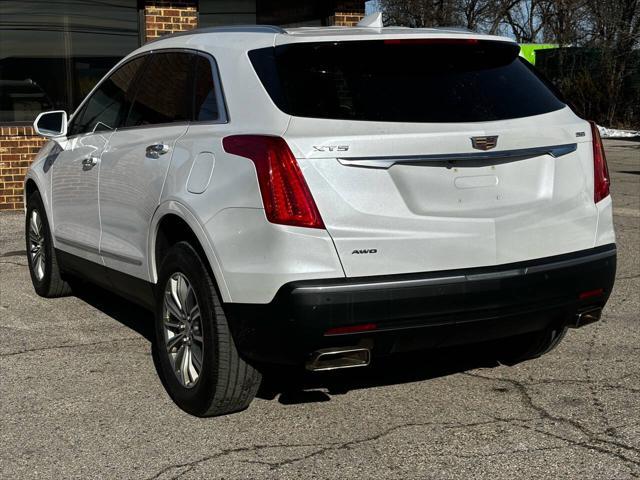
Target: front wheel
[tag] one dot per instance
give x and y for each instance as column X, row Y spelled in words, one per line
column 43, row 263
column 199, row 362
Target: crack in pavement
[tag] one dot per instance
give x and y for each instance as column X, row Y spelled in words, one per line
column 573, row 443
column 594, row 382
column 72, row 345
column 545, row 414
column 14, row 263
column 594, row 395
column 628, row 277
column 323, row 447
column 14, row 253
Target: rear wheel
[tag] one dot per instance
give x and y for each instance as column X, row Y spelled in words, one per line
column 534, row 345
column 199, row 362
column 43, row 263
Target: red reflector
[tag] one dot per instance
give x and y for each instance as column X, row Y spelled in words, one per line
column 365, row 327
column 591, row 293
column 601, row 180
column 285, row 194
column 431, row 41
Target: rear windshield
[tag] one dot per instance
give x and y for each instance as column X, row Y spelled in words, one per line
column 422, row 80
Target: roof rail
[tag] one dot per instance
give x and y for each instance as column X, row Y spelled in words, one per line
column 226, row 28
column 456, row 29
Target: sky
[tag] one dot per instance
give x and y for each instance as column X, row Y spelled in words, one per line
column 371, row 7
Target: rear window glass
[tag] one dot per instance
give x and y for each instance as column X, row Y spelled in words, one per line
column 403, row 81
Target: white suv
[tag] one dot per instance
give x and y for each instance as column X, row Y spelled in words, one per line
column 322, row 197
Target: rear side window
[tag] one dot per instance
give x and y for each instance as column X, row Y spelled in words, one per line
column 164, row 91
column 207, row 99
column 422, row 80
column 107, row 107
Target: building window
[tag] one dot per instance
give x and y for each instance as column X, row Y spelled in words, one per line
column 212, row 13
column 291, row 13
column 52, row 55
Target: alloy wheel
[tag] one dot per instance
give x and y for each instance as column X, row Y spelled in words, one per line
column 182, row 324
column 37, row 245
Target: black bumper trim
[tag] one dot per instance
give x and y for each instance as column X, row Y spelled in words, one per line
column 395, row 282
column 423, row 310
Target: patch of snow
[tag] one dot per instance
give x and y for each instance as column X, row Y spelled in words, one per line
column 615, row 133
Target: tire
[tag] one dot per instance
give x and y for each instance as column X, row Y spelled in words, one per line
column 225, row 383
column 41, row 256
column 529, row 347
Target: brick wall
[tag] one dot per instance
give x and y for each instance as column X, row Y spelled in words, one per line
column 347, row 13
column 18, row 145
column 163, row 17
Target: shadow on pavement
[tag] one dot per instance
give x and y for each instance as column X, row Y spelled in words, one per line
column 138, row 319
column 297, row 386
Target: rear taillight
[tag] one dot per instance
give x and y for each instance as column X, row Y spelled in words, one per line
column 598, row 292
column 285, row 194
column 365, row 327
column 601, row 181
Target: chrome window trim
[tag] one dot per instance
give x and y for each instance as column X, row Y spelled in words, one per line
column 385, row 162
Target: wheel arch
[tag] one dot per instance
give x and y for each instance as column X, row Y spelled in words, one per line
column 30, row 187
column 174, row 222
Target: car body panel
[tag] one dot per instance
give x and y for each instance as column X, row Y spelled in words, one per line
column 424, row 216
column 131, row 184
column 417, row 218
column 74, row 192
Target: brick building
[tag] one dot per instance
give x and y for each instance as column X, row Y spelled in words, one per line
column 52, row 55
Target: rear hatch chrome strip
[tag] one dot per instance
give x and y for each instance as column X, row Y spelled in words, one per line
column 386, row 162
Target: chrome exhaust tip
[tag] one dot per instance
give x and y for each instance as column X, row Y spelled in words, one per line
column 587, row 317
column 328, row 359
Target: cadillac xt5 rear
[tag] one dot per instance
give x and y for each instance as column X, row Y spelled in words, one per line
column 348, row 194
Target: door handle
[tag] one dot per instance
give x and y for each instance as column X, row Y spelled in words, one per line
column 89, row 162
column 154, row 151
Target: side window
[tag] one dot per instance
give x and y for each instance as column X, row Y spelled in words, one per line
column 108, row 105
column 163, row 91
column 206, row 98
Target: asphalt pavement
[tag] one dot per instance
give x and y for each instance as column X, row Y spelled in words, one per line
column 80, row 396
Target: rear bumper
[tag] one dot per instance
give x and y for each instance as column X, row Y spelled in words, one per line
column 419, row 311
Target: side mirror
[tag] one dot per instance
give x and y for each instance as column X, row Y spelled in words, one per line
column 51, row 124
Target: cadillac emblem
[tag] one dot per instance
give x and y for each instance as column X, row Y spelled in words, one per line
column 484, row 143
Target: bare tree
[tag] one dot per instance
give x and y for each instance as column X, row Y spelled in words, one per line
column 525, row 21
column 421, row 13
column 600, row 79
column 615, row 28
column 486, row 15
column 564, row 21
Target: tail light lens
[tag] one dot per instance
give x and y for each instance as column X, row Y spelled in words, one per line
column 601, row 180
column 365, row 327
column 285, row 194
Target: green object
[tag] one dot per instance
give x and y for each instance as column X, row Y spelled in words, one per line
column 528, row 50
